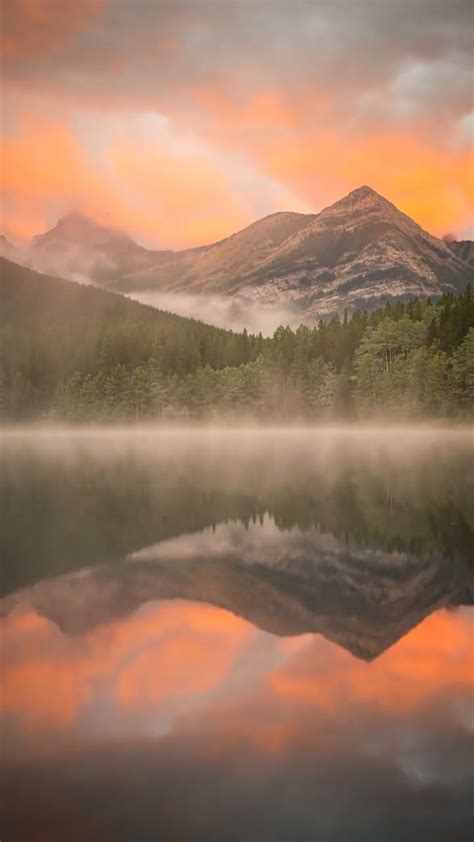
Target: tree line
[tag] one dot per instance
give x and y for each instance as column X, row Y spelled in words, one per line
column 110, row 359
column 407, row 361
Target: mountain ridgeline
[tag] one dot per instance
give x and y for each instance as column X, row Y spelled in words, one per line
column 357, row 253
column 78, row 353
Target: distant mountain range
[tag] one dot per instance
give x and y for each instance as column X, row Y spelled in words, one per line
column 356, row 253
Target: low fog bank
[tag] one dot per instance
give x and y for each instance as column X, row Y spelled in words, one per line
column 243, row 426
column 238, row 450
column 73, row 263
column 229, row 312
column 232, row 313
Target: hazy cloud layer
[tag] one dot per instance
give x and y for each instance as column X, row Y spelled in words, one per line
column 232, row 313
column 184, row 121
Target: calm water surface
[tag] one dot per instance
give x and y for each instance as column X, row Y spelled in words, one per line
column 237, row 636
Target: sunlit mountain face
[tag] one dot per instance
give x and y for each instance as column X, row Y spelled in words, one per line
column 288, row 267
column 285, row 269
column 200, row 631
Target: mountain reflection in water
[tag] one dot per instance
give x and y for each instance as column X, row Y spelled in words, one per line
column 272, row 653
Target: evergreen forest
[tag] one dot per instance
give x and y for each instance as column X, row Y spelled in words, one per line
column 76, row 353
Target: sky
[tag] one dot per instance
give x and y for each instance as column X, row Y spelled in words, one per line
column 182, row 122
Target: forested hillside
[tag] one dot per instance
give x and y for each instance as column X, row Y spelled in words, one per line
column 82, row 354
column 51, row 329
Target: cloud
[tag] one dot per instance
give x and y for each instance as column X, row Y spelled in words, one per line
column 140, row 179
column 289, row 101
column 32, row 28
column 231, row 313
column 431, row 185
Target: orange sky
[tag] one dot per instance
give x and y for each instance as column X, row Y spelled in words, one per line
column 184, row 122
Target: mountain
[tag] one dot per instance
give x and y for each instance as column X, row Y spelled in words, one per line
column 216, row 267
column 78, row 245
column 80, row 249
column 463, row 249
column 356, row 253
column 363, row 603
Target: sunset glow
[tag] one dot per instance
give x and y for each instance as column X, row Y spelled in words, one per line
column 182, row 123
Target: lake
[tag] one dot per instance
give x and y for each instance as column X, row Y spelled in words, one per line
column 237, row 635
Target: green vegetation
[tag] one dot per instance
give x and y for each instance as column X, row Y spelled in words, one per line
column 82, row 354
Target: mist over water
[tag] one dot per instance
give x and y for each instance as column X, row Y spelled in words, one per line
column 264, row 623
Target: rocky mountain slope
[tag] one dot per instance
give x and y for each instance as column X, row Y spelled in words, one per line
column 217, row 267
column 463, row 249
column 358, row 252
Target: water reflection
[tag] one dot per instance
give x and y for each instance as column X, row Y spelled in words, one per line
column 170, row 723
column 246, row 637
column 285, row 582
column 72, row 499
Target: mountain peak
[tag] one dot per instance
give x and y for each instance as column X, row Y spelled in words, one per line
column 75, row 217
column 77, row 221
column 77, row 227
column 364, row 195
column 364, row 190
column 360, row 204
